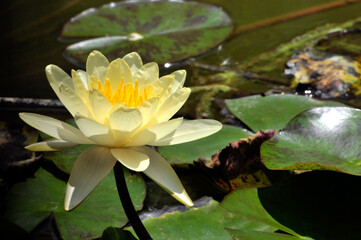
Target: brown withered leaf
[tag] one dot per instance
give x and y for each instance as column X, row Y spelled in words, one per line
column 239, row 165
column 328, row 76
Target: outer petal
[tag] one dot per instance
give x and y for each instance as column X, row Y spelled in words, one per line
column 147, row 74
column 180, row 77
column 95, row 131
column 50, row 145
column 190, row 131
column 123, row 122
column 97, row 65
column 99, row 105
column 89, row 169
column 118, row 70
column 154, row 133
column 83, row 78
column 79, row 87
column 130, row 158
column 55, row 128
column 56, row 76
column 162, row 173
column 172, row 105
column 134, row 61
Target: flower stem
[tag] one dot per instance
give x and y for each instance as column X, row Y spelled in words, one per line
column 128, row 206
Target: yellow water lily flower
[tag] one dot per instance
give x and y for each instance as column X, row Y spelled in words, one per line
column 121, row 108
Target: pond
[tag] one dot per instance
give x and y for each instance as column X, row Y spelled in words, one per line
column 283, row 77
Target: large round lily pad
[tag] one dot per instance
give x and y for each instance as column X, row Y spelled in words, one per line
column 326, row 138
column 160, row 31
column 273, row 111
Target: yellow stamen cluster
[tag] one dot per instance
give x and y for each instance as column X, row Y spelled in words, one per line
column 128, row 93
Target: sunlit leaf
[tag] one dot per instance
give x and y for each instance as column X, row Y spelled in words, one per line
column 272, row 112
column 326, row 138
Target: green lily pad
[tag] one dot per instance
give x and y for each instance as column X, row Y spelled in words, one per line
column 272, row 112
column 245, row 203
column 112, row 233
column 205, row 147
column 30, row 202
column 253, row 235
column 326, row 138
column 160, row 31
column 207, row 222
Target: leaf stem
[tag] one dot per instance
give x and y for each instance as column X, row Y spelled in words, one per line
column 128, row 206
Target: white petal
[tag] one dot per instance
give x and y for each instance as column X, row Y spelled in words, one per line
column 147, row 109
column 63, row 86
column 164, row 85
column 130, row 158
column 55, row 128
column 147, row 74
column 83, row 78
column 118, row 70
column 89, row 169
column 95, row 131
column 50, row 145
column 56, row 76
column 162, row 173
column 154, row 133
column 172, row 105
column 125, row 121
column 134, row 61
column 79, row 87
column 99, row 105
column 72, row 101
column 189, row 131
column 180, row 77
column 97, row 65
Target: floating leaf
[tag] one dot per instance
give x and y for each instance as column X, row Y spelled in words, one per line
column 272, row 112
column 112, row 233
column 245, row 203
column 326, row 138
column 207, row 222
column 253, row 235
column 32, row 201
column 160, row 31
column 205, row 147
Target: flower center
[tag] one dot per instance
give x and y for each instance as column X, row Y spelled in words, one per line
column 128, row 93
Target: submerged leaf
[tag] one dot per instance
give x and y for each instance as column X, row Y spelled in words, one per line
column 161, row 31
